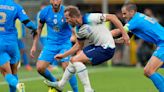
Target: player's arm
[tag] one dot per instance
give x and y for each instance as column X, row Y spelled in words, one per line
column 118, row 24
column 22, row 16
column 76, row 47
column 73, row 36
column 36, row 38
column 29, row 24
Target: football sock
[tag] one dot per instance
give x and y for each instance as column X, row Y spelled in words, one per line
column 83, row 76
column 67, row 75
column 13, row 89
column 12, row 81
column 47, row 74
column 73, row 83
column 158, row 81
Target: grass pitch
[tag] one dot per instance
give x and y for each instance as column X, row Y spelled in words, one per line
column 103, row 79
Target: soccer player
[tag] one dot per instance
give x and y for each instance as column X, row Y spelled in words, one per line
column 88, row 27
column 150, row 30
column 21, row 37
column 9, row 51
column 58, row 40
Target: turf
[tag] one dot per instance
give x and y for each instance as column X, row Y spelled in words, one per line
column 103, row 79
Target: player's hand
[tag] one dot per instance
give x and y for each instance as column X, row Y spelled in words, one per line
column 126, row 39
column 59, row 57
column 32, row 51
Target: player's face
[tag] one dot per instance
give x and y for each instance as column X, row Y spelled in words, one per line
column 126, row 14
column 71, row 20
column 55, row 3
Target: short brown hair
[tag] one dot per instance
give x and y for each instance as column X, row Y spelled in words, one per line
column 130, row 6
column 73, row 11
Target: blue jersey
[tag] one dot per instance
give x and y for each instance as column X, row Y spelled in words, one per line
column 146, row 28
column 9, row 12
column 59, row 32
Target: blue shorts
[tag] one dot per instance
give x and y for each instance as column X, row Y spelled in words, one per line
column 159, row 53
column 9, row 52
column 47, row 55
column 21, row 44
column 98, row 54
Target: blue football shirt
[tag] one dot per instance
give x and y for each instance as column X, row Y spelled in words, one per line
column 9, row 12
column 59, row 31
column 146, row 28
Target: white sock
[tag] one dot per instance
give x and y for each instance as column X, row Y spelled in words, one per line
column 83, row 76
column 69, row 71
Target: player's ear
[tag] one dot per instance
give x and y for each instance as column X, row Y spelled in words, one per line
column 132, row 12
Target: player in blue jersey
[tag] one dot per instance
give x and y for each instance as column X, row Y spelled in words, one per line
column 21, row 44
column 58, row 40
column 150, row 30
column 89, row 27
column 9, row 51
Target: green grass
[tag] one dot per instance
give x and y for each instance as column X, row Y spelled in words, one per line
column 103, row 79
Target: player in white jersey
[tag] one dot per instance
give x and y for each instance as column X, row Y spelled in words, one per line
column 88, row 27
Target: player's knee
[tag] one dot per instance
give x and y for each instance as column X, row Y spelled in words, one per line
column 40, row 69
column 73, row 59
column 148, row 72
column 64, row 65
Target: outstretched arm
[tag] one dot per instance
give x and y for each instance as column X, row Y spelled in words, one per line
column 118, row 24
column 78, row 46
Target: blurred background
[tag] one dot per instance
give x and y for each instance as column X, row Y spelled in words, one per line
column 123, row 73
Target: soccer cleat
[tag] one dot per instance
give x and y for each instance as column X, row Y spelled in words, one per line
column 21, row 87
column 54, row 85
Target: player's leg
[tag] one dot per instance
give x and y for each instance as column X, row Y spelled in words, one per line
column 14, row 71
column 81, row 70
column 14, row 54
column 155, row 62
column 44, row 60
column 91, row 54
column 64, row 63
column 72, row 80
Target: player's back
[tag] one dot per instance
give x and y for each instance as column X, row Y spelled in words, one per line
column 96, row 32
column 8, row 15
column 147, row 28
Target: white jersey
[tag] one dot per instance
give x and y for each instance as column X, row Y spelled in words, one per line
column 95, row 31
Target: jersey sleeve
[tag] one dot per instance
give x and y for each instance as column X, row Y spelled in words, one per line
column 95, row 18
column 83, row 32
column 21, row 13
column 131, row 25
column 42, row 15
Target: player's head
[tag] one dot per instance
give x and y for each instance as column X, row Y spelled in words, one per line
column 128, row 11
column 73, row 15
column 56, row 4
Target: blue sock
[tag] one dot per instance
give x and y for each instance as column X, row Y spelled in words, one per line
column 47, row 74
column 25, row 59
column 73, row 83
column 11, row 80
column 158, row 81
column 12, row 88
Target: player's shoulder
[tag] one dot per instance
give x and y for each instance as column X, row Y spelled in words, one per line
column 45, row 10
